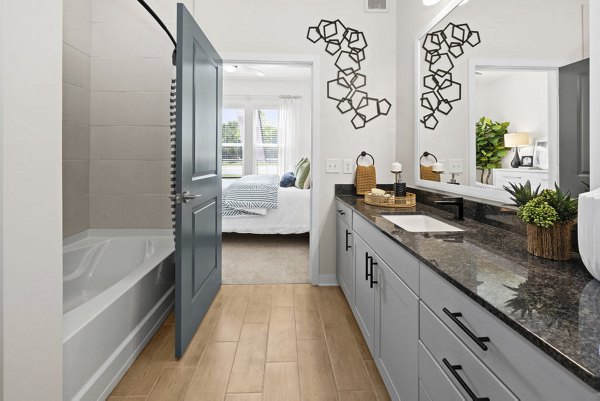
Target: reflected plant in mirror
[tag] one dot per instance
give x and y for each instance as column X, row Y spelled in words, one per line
column 490, row 149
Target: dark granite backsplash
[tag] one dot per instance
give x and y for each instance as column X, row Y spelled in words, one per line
column 555, row 305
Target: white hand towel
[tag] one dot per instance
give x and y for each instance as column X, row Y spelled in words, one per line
column 588, row 231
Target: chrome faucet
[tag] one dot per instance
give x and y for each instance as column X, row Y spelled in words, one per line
column 454, row 201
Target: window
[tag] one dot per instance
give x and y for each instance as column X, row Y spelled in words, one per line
column 266, row 139
column 257, row 152
column 232, row 135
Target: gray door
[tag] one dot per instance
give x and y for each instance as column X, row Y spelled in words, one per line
column 574, row 128
column 198, row 213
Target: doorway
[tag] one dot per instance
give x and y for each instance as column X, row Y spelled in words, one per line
column 267, row 161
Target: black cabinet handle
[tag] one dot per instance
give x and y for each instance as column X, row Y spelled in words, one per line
column 478, row 340
column 453, row 369
column 373, row 263
column 347, row 245
column 367, row 257
column 341, row 212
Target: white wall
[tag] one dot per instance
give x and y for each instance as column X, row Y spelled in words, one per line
column 519, row 97
column 76, row 115
column 241, row 91
column 31, row 217
column 595, row 93
column 267, row 26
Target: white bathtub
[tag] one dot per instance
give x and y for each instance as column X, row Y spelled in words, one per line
column 118, row 287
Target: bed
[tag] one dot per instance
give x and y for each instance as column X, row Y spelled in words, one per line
column 290, row 215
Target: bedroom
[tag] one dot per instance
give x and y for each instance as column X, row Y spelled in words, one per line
column 266, row 152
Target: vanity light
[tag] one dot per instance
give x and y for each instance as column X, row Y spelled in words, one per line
column 430, row 3
column 514, row 140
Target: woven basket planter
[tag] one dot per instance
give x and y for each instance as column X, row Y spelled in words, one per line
column 552, row 243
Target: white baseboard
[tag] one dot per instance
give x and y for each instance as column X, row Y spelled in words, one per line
column 328, row 280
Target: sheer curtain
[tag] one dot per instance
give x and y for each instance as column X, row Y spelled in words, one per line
column 289, row 132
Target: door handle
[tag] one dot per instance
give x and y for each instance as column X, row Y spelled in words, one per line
column 453, row 369
column 185, row 197
column 347, row 246
column 341, row 212
column 367, row 257
column 371, row 281
column 478, row 340
column 189, row 197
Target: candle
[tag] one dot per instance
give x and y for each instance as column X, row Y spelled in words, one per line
column 396, row 167
column 438, row 167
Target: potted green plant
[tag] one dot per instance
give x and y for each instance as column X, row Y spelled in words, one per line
column 489, row 146
column 550, row 216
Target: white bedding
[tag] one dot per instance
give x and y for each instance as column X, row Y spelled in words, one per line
column 292, row 215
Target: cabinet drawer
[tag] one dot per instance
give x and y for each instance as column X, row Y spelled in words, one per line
column 433, row 381
column 400, row 261
column 528, row 372
column 458, row 362
column 344, row 212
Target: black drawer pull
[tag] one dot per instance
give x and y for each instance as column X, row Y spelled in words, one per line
column 371, row 281
column 478, row 340
column 453, row 369
column 341, row 212
column 348, row 246
column 367, row 257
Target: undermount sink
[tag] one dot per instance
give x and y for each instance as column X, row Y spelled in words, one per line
column 418, row 223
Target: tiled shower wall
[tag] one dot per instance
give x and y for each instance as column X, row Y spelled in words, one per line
column 76, row 115
column 117, row 72
column 130, row 82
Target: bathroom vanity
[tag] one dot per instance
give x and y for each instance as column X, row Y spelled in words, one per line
column 467, row 314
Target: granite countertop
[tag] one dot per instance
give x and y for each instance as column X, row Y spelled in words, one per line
column 554, row 305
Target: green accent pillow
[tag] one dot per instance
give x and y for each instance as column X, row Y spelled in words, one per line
column 297, row 166
column 303, row 172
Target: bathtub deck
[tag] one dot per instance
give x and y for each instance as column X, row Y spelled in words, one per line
column 288, row 342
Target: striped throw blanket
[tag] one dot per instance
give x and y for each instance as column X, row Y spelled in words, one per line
column 251, row 195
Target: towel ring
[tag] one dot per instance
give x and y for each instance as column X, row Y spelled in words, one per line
column 427, row 154
column 363, row 154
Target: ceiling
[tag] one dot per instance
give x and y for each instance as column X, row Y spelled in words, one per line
column 296, row 72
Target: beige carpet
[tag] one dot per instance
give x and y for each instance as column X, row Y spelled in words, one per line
column 265, row 259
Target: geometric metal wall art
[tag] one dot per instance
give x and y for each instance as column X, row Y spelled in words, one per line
column 348, row 88
column 440, row 90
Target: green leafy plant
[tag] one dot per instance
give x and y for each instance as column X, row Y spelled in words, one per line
column 521, row 194
column 542, row 208
column 489, row 143
column 565, row 206
column 538, row 212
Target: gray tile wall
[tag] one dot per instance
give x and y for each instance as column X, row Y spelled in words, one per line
column 129, row 140
column 76, row 115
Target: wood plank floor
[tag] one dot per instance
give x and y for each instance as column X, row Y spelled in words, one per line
column 288, row 342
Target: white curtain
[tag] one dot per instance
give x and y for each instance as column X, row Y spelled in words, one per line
column 289, row 133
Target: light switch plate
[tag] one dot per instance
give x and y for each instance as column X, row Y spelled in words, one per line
column 455, row 165
column 332, row 166
column 348, row 166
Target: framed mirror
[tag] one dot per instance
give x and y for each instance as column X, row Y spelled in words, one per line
column 503, row 97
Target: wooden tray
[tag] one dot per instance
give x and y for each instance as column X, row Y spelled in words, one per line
column 410, row 200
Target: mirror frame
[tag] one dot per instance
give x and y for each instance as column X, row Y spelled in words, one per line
column 471, row 191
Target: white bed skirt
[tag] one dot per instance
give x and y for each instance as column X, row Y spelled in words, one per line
column 292, row 216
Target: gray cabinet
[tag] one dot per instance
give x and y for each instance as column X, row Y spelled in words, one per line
column 396, row 333
column 364, row 293
column 345, row 258
column 434, row 385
